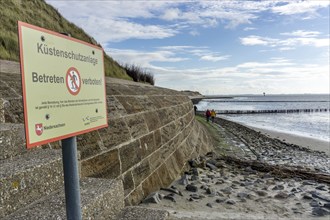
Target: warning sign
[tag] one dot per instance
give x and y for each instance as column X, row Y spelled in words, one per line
column 73, row 81
column 63, row 85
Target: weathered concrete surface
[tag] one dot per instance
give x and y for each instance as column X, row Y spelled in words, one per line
column 12, row 140
column 100, row 199
column 140, row 213
column 7, row 66
column 28, row 177
column 151, row 132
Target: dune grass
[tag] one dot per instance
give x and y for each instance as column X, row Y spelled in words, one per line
column 39, row 13
column 138, row 74
column 221, row 146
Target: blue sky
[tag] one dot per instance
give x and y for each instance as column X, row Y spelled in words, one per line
column 215, row 47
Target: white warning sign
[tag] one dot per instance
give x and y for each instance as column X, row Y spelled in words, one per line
column 63, row 85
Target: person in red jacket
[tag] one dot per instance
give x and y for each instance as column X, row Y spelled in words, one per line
column 207, row 115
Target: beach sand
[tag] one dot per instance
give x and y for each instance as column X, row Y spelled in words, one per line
column 233, row 191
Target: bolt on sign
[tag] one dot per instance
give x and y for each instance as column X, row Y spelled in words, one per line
column 63, row 85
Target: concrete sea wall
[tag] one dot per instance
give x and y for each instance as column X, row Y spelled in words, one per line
column 152, row 132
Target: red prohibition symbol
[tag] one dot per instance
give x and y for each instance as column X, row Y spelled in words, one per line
column 73, row 81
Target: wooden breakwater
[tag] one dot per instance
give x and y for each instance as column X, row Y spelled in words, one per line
column 272, row 111
column 228, row 100
column 197, row 99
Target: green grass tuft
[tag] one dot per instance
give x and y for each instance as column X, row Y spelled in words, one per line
column 221, row 146
column 39, row 13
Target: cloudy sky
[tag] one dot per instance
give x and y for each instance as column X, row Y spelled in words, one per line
column 215, row 47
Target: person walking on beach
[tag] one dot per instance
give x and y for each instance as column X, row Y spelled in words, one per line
column 213, row 114
column 207, row 115
column 195, row 109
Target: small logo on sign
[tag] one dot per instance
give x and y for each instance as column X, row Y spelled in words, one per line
column 39, row 129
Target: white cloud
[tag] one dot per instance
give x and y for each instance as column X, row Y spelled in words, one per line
column 285, row 44
column 165, row 54
column 204, row 53
column 113, row 21
column 128, row 30
column 245, row 12
column 179, row 47
column 277, row 76
column 105, row 30
column 143, row 58
column 111, row 9
column 194, row 33
column 121, row 17
column 171, row 14
column 256, row 40
column 261, row 65
column 231, row 18
column 324, row 42
column 116, row 21
column 300, row 7
column 214, row 58
column 286, row 48
column 302, row 33
column 280, row 60
column 304, row 41
column 250, row 29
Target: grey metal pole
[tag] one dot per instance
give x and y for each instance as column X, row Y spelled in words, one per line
column 71, row 176
column 71, row 179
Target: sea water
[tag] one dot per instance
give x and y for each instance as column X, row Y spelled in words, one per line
column 313, row 124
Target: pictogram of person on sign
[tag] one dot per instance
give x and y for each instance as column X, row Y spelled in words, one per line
column 73, row 81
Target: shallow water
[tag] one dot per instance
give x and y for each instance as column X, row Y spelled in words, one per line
column 314, row 124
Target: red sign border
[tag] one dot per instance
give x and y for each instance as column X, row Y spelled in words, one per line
column 29, row 145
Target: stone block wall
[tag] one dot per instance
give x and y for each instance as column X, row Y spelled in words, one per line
column 152, row 133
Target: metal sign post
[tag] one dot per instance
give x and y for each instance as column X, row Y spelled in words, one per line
column 71, row 178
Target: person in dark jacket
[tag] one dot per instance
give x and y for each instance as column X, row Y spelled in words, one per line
column 207, row 115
